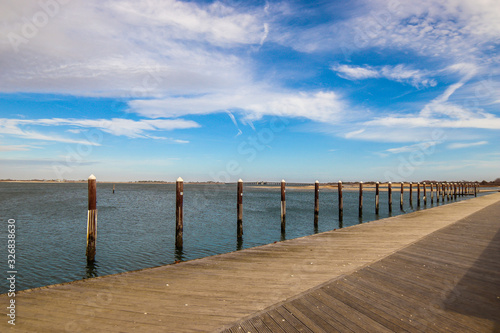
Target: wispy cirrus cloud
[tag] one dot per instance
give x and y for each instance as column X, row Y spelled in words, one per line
column 399, row 73
column 410, row 148
column 460, row 145
column 16, row 147
column 116, row 126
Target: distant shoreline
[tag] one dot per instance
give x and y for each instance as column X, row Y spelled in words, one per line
column 347, row 186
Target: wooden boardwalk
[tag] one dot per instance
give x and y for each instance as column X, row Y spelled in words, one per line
column 447, row 282
column 432, row 270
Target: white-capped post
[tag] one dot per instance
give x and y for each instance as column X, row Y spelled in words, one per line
column 239, row 209
column 411, row 194
column 401, row 196
column 418, row 194
column 425, row 194
column 91, row 219
column 316, row 203
column 389, row 195
column 341, row 200
column 360, row 209
column 179, row 223
column 283, row 206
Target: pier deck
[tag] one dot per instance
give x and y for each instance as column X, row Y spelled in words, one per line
column 435, row 270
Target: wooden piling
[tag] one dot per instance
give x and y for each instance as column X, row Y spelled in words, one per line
column 360, row 209
column 418, row 194
column 411, row 194
column 283, row 207
column 239, row 209
column 91, row 219
column 425, row 193
column 432, row 193
column 475, row 189
column 389, row 195
column 438, row 192
column 377, row 197
column 316, row 203
column 179, row 222
column 113, row 188
column 341, row 200
column 401, row 196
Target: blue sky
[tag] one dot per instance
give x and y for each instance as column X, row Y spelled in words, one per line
column 328, row 90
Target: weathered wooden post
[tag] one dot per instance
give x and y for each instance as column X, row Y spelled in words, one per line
column 438, row 192
column 401, row 195
column 432, row 193
column 475, row 189
column 389, row 195
column 448, row 191
column 239, row 209
column 425, row 193
column 316, row 203
column 411, row 194
column 341, row 200
column 377, row 184
column 455, row 193
column 418, row 194
column 360, row 210
column 91, row 219
column 283, row 206
column 179, row 222
column 113, row 188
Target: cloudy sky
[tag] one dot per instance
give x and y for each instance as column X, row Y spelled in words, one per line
column 220, row 90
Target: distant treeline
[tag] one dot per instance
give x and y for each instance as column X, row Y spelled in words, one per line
column 495, row 182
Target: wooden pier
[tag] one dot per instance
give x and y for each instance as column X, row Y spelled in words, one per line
column 433, row 270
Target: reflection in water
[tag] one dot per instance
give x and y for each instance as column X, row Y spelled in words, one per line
column 179, row 254
column 91, row 270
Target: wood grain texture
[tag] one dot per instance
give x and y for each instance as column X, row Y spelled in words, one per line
column 449, row 281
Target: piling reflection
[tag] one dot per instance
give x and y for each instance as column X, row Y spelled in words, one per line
column 91, row 270
column 179, row 254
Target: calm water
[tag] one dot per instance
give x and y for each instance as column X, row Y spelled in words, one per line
column 136, row 225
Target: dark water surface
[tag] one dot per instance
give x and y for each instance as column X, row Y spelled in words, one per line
column 136, row 225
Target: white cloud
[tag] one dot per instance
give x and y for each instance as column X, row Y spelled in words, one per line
column 458, row 145
column 116, row 126
column 410, row 148
column 441, row 113
column 446, row 30
column 356, row 72
column 323, row 106
column 128, row 48
column 15, row 148
column 399, row 73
